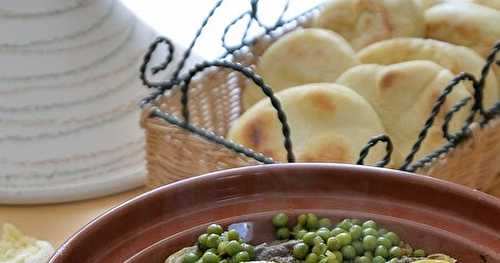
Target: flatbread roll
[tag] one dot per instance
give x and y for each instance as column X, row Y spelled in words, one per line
column 363, row 22
column 455, row 58
column 403, row 95
column 465, row 24
column 301, row 57
column 328, row 122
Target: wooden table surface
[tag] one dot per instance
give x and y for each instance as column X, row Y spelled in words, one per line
column 56, row 223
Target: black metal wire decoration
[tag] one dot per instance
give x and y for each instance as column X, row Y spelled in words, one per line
column 371, row 143
column 182, row 81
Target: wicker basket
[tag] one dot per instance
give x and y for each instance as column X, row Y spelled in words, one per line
column 474, row 162
column 174, row 152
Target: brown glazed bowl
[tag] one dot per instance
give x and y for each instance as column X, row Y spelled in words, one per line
column 428, row 213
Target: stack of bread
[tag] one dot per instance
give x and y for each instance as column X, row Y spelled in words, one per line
column 368, row 67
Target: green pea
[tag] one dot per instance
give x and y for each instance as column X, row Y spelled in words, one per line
column 419, row 253
column 348, row 252
column 378, row 259
column 370, row 224
column 210, row 257
column 338, row 255
column 190, row 257
column 302, row 220
column 233, row 235
column 368, row 254
column 300, row 234
column 395, row 252
column 312, row 258
column 221, row 248
column 384, row 242
column 283, row 233
column 250, row 249
column 233, row 247
column 213, row 241
column 300, row 250
column 355, row 232
column 370, row 231
column 324, row 233
column 362, row 259
column 280, row 220
column 202, row 239
column 308, row 238
column 358, row 246
column 214, row 229
column 369, row 242
column 382, row 231
column 356, row 221
column 381, row 251
column 393, row 238
column 325, row 222
column 312, row 222
column 241, row 257
column 345, row 224
column 337, row 231
column 344, row 239
column 319, row 249
column 333, row 244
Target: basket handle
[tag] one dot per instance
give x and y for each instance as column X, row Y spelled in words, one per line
column 248, row 73
column 371, row 143
column 478, row 107
column 435, row 111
